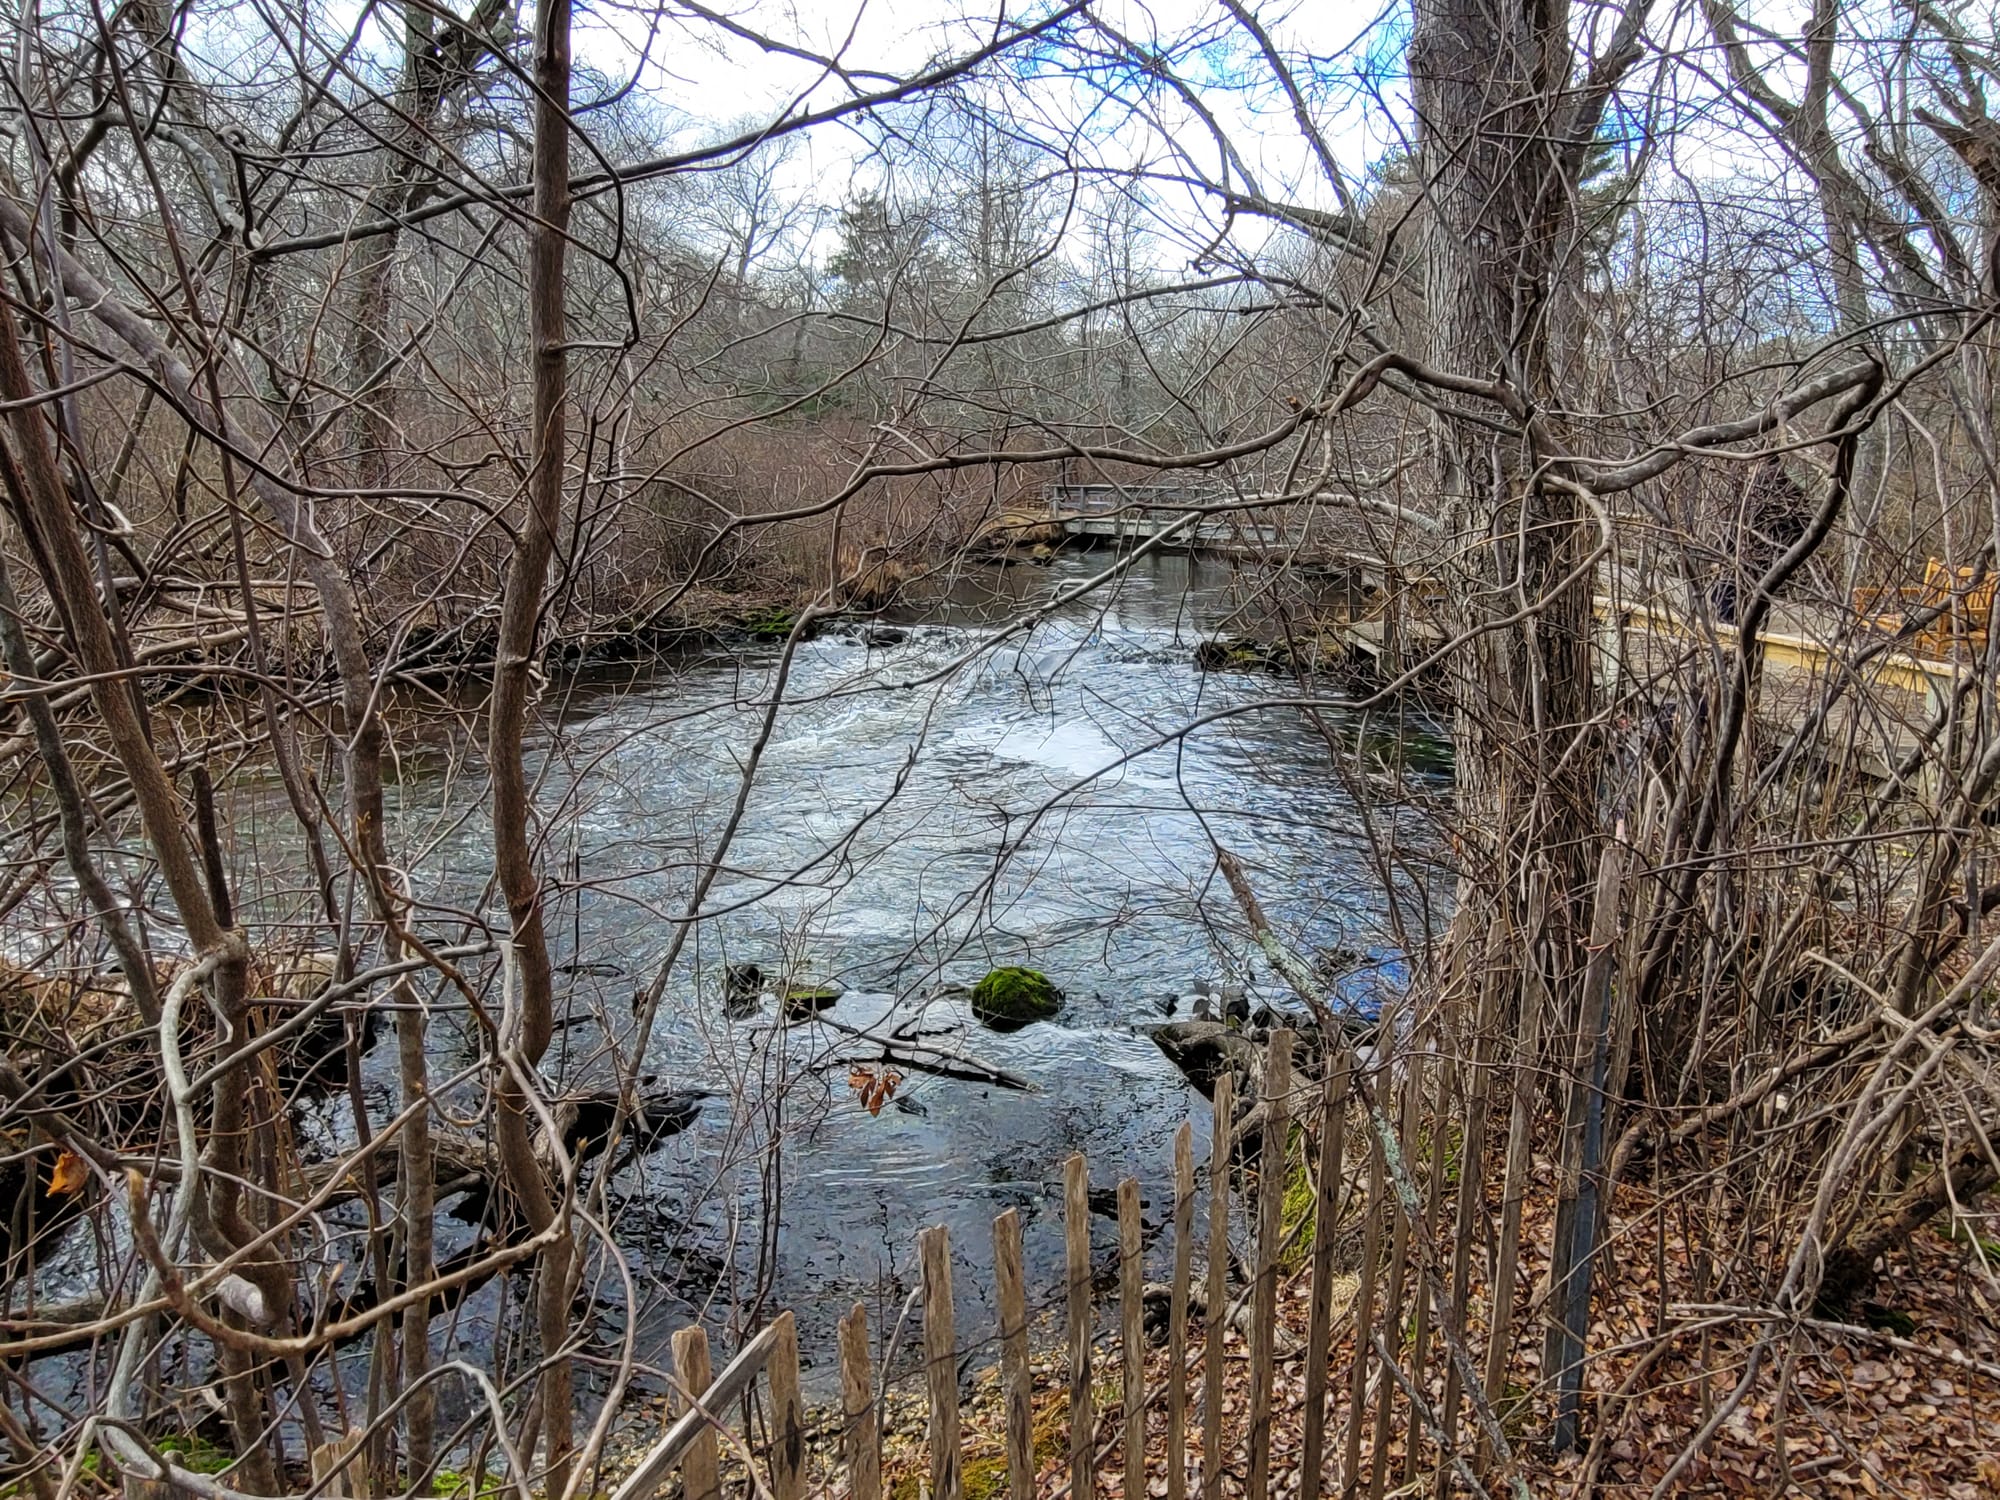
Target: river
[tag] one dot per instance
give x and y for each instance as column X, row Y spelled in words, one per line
column 868, row 854
column 930, row 803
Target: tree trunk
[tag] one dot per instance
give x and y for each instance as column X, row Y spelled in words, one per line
column 530, row 1018
column 1488, row 76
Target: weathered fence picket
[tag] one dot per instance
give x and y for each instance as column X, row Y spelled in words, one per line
column 1391, row 1322
column 1381, row 1408
column 861, row 1422
column 1420, row 1336
column 788, row 1413
column 1177, row 1312
column 1364, row 1322
column 1215, row 1317
column 700, row 1476
column 1271, row 1170
column 1131, row 1336
column 1076, row 1238
column 1016, row 1380
column 940, row 1362
column 1319, row 1327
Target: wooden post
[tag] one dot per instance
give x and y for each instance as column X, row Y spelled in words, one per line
column 1015, row 1382
column 862, row 1427
column 1578, row 1230
column 1319, row 1330
column 1216, row 1320
column 1076, row 1236
column 335, row 1457
column 1271, row 1165
column 788, row 1413
column 1525, row 1071
column 699, row 1479
column 940, row 1361
column 1413, row 1443
column 1471, row 1188
column 1399, row 1261
column 736, row 1381
column 1132, row 1337
column 1364, row 1304
column 1177, row 1313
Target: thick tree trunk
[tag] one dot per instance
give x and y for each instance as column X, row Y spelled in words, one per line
column 1488, row 76
column 1504, row 132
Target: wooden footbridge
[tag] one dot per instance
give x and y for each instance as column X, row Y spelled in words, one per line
column 1121, row 514
column 1910, row 645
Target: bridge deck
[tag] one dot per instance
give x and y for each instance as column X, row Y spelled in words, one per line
column 1877, row 721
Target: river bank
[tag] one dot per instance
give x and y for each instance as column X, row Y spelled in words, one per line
column 1900, row 1398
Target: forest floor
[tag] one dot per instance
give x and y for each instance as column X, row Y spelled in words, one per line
column 1907, row 1408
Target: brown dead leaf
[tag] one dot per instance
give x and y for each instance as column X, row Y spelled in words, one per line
column 69, row 1175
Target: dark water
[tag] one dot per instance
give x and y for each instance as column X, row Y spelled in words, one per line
column 870, row 854
column 924, row 811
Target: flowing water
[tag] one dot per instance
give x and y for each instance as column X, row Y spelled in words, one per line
column 869, row 853
column 925, row 808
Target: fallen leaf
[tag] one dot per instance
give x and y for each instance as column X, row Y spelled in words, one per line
column 69, row 1175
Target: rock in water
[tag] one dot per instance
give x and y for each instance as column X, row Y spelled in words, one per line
column 1010, row 998
column 742, row 986
column 1235, row 1003
column 1205, row 1050
column 803, row 999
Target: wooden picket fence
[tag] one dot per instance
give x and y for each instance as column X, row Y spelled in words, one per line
column 1344, row 1443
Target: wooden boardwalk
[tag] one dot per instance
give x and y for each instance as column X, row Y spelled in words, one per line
column 1871, row 698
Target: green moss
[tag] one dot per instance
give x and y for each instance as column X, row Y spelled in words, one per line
column 1962, row 1233
column 449, row 1484
column 195, row 1453
column 1515, row 1408
column 1008, row 999
column 983, row 1478
column 1050, row 1428
column 1454, row 1150
column 1297, row 1209
column 772, row 623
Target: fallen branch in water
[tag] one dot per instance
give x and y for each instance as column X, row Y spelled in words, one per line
column 932, row 1060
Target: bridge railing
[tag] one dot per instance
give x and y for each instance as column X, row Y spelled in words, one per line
column 1101, row 499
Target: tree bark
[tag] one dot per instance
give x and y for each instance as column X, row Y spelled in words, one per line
column 530, row 1021
column 1502, row 130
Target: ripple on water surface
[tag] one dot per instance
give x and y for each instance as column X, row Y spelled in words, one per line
column 870, row 852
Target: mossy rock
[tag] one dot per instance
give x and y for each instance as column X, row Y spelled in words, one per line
column 775, row 622
column 1013, row 997
column 774, row 626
